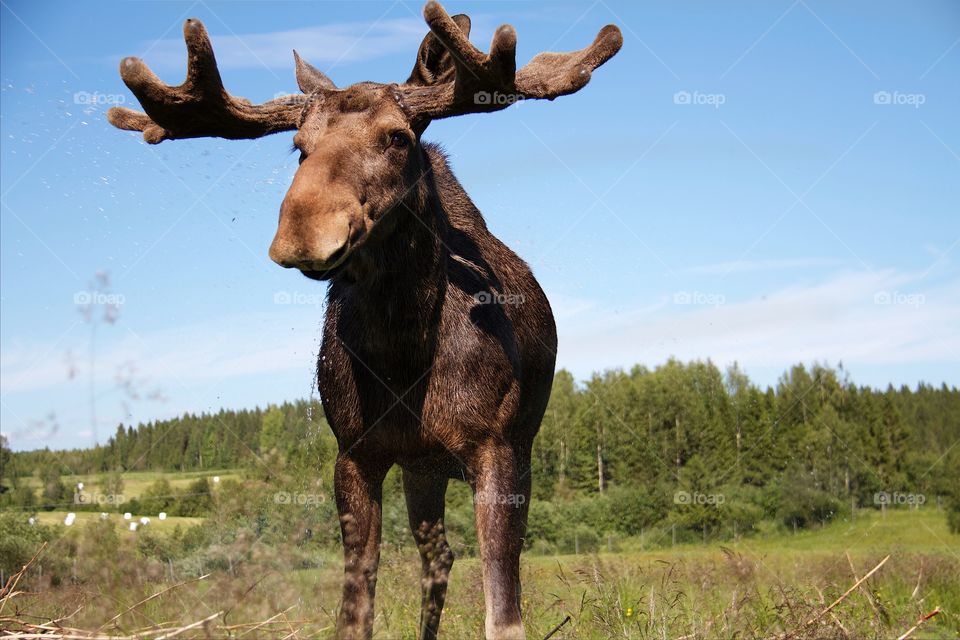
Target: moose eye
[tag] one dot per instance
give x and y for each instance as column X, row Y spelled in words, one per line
column 303, row 157
column 398, row 140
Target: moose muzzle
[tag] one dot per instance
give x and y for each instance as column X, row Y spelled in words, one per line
column 319, row 225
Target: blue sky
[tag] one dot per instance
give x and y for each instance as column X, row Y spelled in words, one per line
column 766, row 182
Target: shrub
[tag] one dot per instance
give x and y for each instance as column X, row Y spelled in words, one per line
column 953, row 516
column 802, row 507
column 19, row 540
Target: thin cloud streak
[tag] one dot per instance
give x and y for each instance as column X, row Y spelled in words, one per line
column 750, row 266
column 882, row 317
column 318, row 45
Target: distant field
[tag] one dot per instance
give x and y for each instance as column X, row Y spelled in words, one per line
column 135, row 483
column 82, row 517
column 870, row 532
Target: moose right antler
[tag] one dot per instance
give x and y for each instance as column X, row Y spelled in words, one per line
column 423, row 365
column 471, row 83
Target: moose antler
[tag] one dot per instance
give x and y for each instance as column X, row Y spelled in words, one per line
column 201, row 107
column 490, row 82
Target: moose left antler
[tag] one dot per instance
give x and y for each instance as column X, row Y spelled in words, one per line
column 438, row 345
column 478, row 76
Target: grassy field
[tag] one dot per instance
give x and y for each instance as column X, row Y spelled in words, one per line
column 767, row 586
column 83, row 517
column 135, row 483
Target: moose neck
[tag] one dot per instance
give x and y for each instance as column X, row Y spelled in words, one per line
column 390, row 295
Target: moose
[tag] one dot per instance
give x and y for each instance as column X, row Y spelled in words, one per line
column 439, row 345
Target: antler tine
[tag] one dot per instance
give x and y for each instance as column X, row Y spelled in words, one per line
column 452, row 37
column 479, row 77
column 200, row 107
column 550, row 75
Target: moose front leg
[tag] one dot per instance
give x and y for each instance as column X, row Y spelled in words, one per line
column 425, row 509
column 501, row 500
column 358, row 489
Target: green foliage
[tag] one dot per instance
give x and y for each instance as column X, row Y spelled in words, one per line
column 20, row 540
column 802, row 504
column 111, row 484
column 616, row 454
column 196, row 500
column 159, row 497
column 54, row 492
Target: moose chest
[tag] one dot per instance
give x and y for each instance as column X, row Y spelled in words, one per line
column 419, row 393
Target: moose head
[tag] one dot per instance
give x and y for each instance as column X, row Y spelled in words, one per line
column 360, row 149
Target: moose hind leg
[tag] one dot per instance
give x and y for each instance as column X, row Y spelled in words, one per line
column 501, row 501
column 425, row 509
column 358, row 491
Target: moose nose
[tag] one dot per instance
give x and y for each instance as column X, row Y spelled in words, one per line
column 323, row 253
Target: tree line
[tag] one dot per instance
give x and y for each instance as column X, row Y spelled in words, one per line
column 684, row 445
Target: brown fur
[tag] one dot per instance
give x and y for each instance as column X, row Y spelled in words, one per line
column 439, row 345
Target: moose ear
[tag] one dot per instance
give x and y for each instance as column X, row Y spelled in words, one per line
column 309, row 78
column 434, row 63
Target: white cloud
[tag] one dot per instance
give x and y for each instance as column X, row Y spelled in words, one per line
column 865, row 319
column 846, row 316
column 746, row 266
column 214, row 350
column 320, row 45
column 833, row 319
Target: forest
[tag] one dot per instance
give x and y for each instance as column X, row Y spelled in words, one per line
column 684, row 450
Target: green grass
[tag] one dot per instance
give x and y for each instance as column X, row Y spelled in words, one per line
column 758, row 587
column 755, row 587
column 868, row 533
